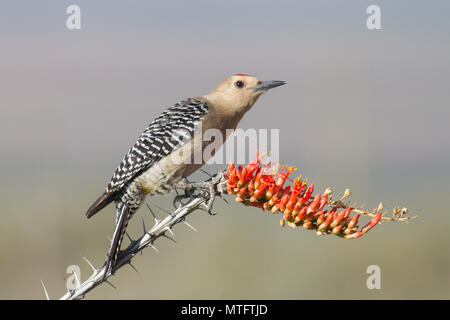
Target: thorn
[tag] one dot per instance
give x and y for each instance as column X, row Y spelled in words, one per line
column 143, row 226
column 90, row 264
column 45, row 290
column 131, row 265
column 205, row 205
column 202, row 209
column 129, row 238
column 190, row 226
column 168, row 237
column 208, row 209
column 168, row 229
column 151, row 211
column 107, row 281
column 107, row 237
column 153, row 247
column 76, row 278
column 168, row 212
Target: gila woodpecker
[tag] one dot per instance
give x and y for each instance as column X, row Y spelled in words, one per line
column 149, row 168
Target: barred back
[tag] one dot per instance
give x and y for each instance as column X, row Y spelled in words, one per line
column 163, row 136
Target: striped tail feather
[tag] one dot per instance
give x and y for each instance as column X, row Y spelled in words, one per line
column 102, row 201
column 123, row 217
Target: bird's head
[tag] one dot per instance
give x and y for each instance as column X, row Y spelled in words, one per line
column 240, row 91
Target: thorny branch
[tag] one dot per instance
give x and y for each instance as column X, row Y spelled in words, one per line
column 160, row 229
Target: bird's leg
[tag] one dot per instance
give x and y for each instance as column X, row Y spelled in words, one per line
column 188, row 192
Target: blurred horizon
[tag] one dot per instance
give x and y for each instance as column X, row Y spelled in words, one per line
column 362, row 109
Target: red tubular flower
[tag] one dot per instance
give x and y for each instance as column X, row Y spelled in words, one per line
column 258, row 176
column 283, row 175
column 326, row 223
column 314, row 204
column 372, row 223
column 336, row 230
column 354, row 235
column 273, row 200
column 253, row 186
column 296, row 189
column 298, row 206
column 308, row 192
column 282, row 203
column 231, row 167
column 354, row 221
column 259, row 192
column 320, row 219
column 323, row 201
column 300, row 215
column 338, row 219
column 307, row 225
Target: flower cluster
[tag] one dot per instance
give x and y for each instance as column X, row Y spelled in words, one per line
column 258, row 185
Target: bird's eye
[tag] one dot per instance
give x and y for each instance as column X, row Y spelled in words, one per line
column 239, row 84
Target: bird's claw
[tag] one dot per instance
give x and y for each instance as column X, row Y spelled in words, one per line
column 211, row 188
column 178, row 200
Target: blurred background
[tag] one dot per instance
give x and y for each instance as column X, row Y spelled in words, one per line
column 363, row 109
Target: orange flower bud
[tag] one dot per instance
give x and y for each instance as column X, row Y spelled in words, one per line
column 347, row 213
column 338, row 219
column 308, row 192
column 282, row 203
column 349, row 230
column 326, row 223
column 372, row 223
column 231, row 167
column 270, row 192
column 307, row 225
column 289, row 207
column 320, row 219
column 337, row 229
column 314, row 204
column 354, row 221
column 354, row 235
column 274, row 199
column 323, row 202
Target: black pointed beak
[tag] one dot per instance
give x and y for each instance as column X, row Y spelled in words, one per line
column 266, row 85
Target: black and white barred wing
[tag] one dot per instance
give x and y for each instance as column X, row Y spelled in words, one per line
column 167, row 133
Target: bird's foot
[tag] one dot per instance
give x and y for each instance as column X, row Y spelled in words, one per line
column 210, row 188
column 188, row 189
